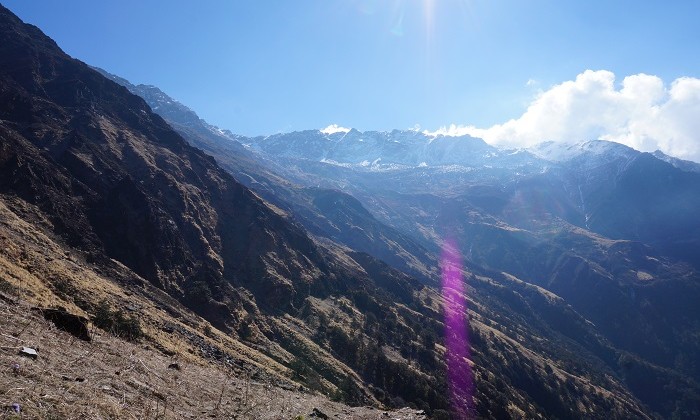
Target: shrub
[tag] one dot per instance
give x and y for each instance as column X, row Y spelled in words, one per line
column 245, row 330
column 116, row 323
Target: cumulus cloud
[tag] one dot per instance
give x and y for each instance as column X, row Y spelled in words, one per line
column 642, row 112
column 334, row 128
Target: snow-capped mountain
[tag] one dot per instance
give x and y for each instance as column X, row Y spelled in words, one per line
column 403, row 149
column 602, row 186
column 685, row 165
column 594, row 149
column 397, row 149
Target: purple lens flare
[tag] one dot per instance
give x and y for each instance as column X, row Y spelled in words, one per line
column 460, row 378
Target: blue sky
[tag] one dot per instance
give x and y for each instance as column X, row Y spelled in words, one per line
column 259, row 67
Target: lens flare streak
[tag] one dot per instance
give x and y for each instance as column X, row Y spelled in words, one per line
column 460, row 379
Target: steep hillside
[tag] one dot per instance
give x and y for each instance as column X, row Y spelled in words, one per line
column 179, row 367
column 114, row 178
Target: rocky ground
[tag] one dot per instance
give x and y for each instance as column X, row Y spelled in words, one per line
column 113, row 378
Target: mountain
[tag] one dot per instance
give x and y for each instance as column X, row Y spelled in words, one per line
column 545, row 241
column 597, row 185
column 107, row 210
column 609, row 229
column 327, row 213
column 600, row 188
column 115, row 178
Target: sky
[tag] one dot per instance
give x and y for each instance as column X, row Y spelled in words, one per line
column 513, row 72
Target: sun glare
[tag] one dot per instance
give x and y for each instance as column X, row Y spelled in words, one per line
column 429, row 12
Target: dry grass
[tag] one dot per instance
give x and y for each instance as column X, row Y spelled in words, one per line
column 110, row 378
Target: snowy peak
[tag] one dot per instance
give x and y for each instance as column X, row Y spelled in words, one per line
column 684, row 165
column 563, row 152
column 399, row 148
column 596, row 152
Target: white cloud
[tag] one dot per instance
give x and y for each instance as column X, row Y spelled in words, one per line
column 334, row 128
column 643, row 112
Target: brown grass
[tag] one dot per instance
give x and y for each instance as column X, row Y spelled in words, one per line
column 110, row 378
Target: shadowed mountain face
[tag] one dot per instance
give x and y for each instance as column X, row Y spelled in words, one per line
column 88, row 163
column 117, row 180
